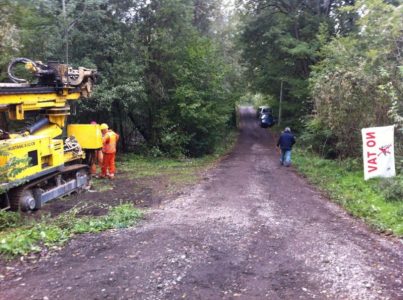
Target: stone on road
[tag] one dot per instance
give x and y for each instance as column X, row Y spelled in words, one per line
column 252, row 230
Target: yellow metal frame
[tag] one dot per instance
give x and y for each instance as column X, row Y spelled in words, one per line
column 17, row 104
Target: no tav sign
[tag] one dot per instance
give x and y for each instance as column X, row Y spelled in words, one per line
column 378, row 152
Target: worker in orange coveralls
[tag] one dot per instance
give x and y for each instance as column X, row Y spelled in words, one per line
column 109, row 142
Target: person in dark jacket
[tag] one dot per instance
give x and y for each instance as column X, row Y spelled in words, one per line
column 285, row 143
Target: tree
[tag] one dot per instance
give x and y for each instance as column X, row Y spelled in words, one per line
column 9, row 36
column 359, row 81
column 179, row 74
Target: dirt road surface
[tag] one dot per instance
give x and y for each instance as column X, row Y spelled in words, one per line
column 250, row 230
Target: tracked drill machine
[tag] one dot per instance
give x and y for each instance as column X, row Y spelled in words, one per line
column 48, row 165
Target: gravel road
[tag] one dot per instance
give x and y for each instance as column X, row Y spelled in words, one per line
column 251, row 229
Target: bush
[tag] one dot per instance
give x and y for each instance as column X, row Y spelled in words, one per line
column 155, row 152
column 356, row 84
column 9, row 219
column 392, row 189
column 319, row 138
column 173, row 142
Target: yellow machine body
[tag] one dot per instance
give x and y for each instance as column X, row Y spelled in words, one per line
column 89, row 136
column 48, row 166
column 40, row 153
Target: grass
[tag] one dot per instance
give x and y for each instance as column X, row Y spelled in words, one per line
column 32, row 236
column 175, row 173
column 377, row 201
column 101, row 185
column 178, row 171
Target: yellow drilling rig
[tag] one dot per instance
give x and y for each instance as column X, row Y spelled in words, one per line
column 36, row 163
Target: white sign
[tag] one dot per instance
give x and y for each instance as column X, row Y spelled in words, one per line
column 378, row 152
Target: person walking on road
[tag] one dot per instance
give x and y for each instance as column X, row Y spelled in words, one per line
column 285, row 143
column 109, row 142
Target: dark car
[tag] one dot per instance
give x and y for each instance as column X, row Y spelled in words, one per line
column 267, row 120
column 263, row 110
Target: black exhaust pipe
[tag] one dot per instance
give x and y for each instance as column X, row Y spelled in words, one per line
column 38, row 125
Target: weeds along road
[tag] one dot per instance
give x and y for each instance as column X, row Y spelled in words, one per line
column 251, row 230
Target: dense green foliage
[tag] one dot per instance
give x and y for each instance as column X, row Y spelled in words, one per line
column 358, row 83
column 164, row 79
column 378, row 201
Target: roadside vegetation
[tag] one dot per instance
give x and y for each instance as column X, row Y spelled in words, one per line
column 20, row 235
column 378, row 201
column 178, row 171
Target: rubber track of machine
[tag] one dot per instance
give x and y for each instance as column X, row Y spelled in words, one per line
column 15, row 196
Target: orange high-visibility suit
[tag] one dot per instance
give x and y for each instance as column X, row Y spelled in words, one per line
column 109, row 142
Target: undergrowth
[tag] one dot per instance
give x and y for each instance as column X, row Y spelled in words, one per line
column 178, row 170
column 49, row 232
column 10, row 219
column 378, row 201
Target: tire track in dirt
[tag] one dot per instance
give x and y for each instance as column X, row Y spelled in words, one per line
column 251, row 230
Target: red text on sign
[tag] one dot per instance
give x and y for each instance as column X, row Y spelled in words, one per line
column 371, row 157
